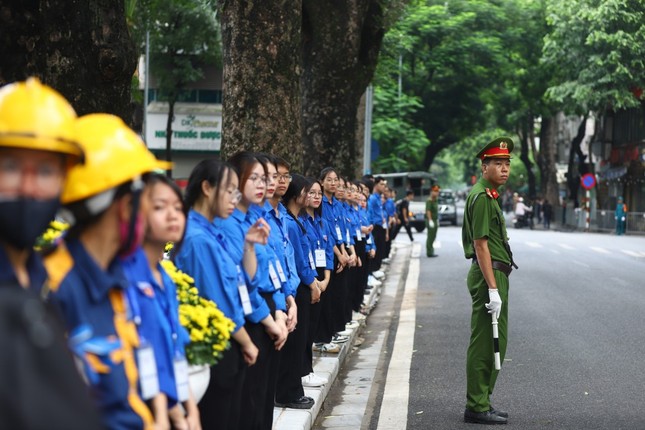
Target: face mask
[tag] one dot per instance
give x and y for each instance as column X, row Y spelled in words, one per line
column 23, row 220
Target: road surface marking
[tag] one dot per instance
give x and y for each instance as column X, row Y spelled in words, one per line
column 600, row 250
column 534, row 245
column 437, row 244
column 394, row 407
column 634, row 253
column 565, row 246
column 555, row 251
column 579, row 263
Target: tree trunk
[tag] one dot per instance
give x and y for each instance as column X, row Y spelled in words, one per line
column 525, row 136
column 433, row 150
column 341, row 41
column 262, row 67
column 83, row 50
column 547, row 161
column 574, row 171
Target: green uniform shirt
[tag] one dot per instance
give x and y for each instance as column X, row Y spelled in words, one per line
column 484, row 219
column 433, row 207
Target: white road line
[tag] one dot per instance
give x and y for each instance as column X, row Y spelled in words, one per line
column 600, row 250
column 534, row 245
column 394, row 408
column 437, row 244
column 555, row 251
column 634, row 253
column 579, row 263
column 565, row 246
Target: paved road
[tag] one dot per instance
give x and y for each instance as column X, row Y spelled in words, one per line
column 576, row 337
column 576, row 340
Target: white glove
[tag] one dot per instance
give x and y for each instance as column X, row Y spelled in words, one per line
column 431, row 224
column 622, row 219
column 495, row 305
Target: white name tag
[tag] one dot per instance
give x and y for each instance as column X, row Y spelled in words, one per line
column 359, row 236
column 369, row 240
column 274, row 277
column 181, row 377
column 384, row 225
column 283, row 277
column 339, row 234
column 347, row 238
column 312, row 264
column 147, row 366
column 321, row 258
column 244, row 293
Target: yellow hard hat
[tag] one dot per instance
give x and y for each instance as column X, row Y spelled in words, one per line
column 114, row 155
column 35, row 116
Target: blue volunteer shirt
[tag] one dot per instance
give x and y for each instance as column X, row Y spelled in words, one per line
column 375, row 214
column 159, row 325
column 302, row 252
column 290, row 254
column 279, row 242
column 204, row 255
column 331, row 213
column 318, row 238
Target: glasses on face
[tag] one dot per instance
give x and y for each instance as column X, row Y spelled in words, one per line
column 340, row 188
column 284, row 178
column 274, row 177
column 46, row 174
column 236, row 196
column 314, row 194
column 257, row 179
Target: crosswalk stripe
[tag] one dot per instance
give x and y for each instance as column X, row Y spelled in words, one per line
column 600, row 250
column 565, row 246
column 534, row 245
column 634, row 253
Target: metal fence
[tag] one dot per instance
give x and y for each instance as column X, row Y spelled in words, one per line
column 601, row 220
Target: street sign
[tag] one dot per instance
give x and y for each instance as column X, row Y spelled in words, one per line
column 588, row 181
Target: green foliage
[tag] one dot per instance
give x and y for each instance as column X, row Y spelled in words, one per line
column 400, row 142
column 184, row 36
column 597, row 48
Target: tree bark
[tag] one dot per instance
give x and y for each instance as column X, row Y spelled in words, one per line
column 84, row 50
column 262, row 67
column 341, row 41
column 575, row 171
column 525, row 136
column 547, row 160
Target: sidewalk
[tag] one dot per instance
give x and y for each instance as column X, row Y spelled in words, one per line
column 326, row 365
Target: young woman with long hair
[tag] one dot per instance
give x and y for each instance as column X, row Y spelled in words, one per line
column 212, row 192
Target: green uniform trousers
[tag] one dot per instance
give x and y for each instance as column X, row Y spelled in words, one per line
column 480, row 362
column 432, row 235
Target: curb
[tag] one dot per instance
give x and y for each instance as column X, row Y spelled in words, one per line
column 327, row 365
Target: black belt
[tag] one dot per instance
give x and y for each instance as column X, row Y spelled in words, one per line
column 502, row 267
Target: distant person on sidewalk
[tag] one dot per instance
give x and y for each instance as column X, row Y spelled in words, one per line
column 547, row 213
column 432, row 220
column 403, row 212
column 620, row 215
column 485, row 242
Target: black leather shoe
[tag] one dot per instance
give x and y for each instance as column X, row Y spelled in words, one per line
column 483, row 417
column 303, row 402
column 502, row 414
column 433, row 255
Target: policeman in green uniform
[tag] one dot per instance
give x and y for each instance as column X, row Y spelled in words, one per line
column 432, row 220
column 485, row 243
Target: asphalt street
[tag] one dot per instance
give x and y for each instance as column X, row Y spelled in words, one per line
column 576, row 334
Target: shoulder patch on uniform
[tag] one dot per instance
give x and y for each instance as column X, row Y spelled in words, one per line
column 58, row 264
column 493, row 194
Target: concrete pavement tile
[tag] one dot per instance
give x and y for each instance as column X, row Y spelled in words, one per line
column 335, row 421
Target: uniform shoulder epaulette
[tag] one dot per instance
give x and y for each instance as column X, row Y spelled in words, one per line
column 493, row 194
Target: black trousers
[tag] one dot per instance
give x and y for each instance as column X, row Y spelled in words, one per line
column 292, row 363
column 221, row 405
column 359, row 280
column 314, row 318
column 258, row 390
column 325, row 329
column 339, row 299
column 379, row 241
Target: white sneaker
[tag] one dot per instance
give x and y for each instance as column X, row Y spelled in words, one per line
column 313, row 380
column 378, row 274
column 358, row 316
column 352, row 324
column 337, row 338
column 345, row 332
column 386, row 260
column 330, row 348
column 373, row 282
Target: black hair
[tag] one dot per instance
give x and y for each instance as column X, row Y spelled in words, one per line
column 243, row 162
column 409, row 193
column 311, row 182
column 326, row 171
column 297, row 186
column 211, row 170
column 279, row 161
